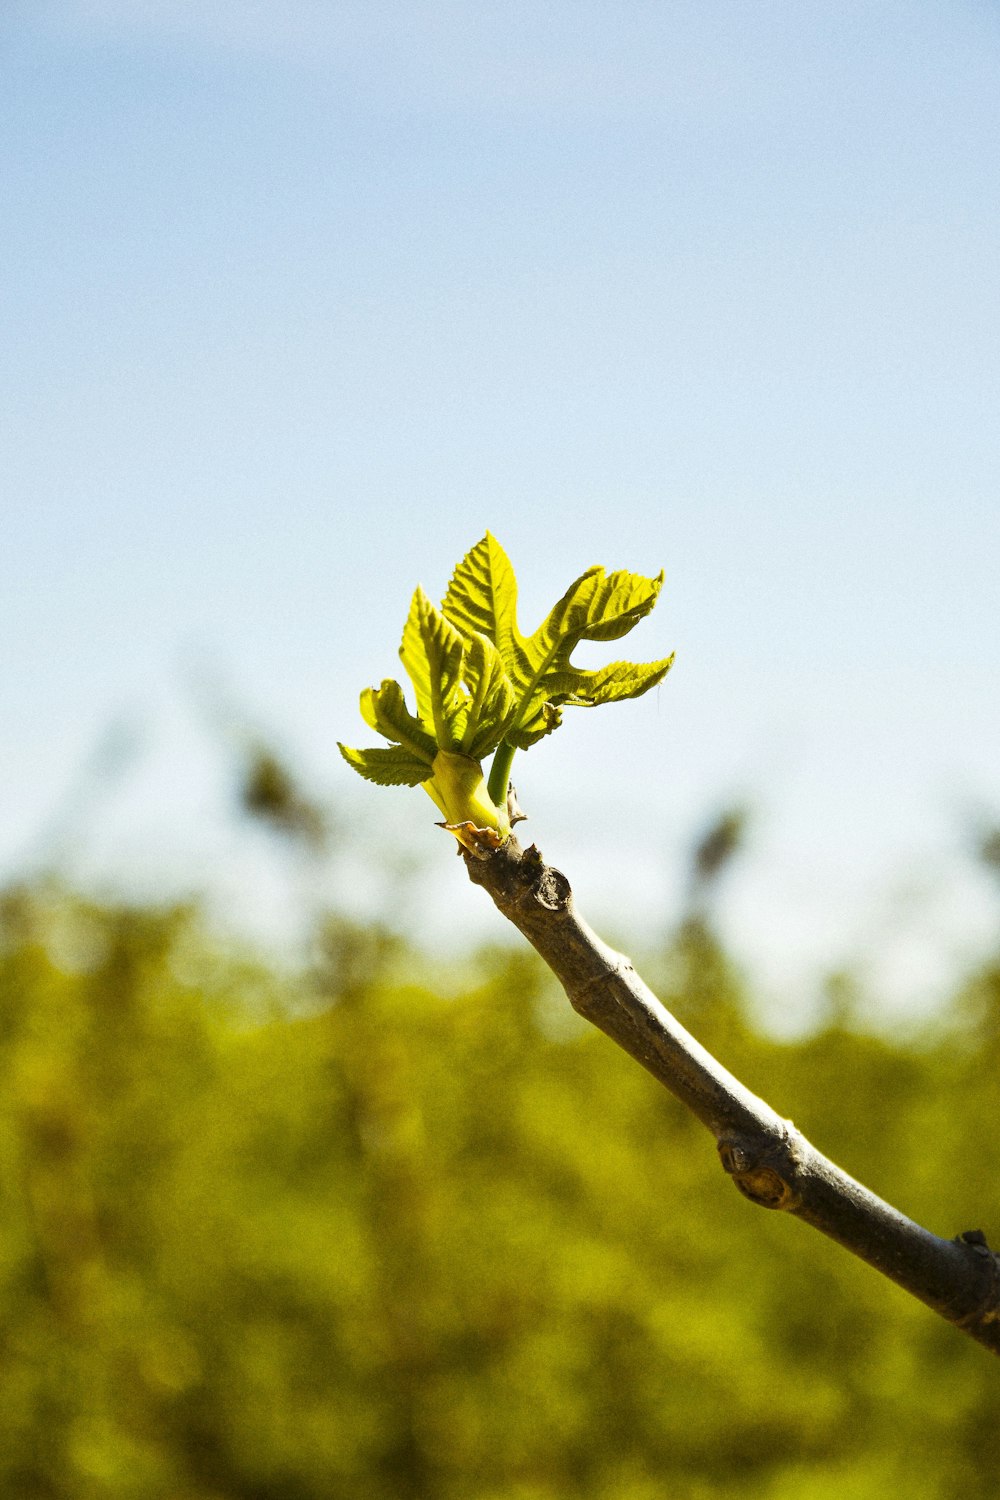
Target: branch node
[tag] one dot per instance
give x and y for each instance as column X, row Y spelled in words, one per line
column 988, row 1310
column 552, row 889
column 479, row 842
column 763, row 1170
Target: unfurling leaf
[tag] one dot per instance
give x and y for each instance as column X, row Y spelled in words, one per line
column 482, row 597
column 479, row 684
column 464, row 705
column 493, row 701
column 432, row 653
column 385, row 709
column 611, row 684
column 386, row 767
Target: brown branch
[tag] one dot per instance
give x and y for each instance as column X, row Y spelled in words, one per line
column 769, row 1160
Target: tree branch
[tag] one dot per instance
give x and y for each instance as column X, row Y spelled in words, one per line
column 769, row 1160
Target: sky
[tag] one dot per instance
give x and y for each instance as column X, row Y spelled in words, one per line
column 298, row 300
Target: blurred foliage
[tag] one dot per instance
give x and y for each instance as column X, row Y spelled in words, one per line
column 715, row 849
column 269, row 791
column 365, row 1232
column 989, row 848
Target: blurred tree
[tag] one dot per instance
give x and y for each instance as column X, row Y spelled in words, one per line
column 989, row 848
column 269, row 790
column 267, row 787
column 714, row 851
column 280, row 1238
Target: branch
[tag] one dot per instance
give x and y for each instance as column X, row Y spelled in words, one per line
column 769, row 1160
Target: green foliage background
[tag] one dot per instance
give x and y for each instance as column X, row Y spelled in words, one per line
column 372, row 1231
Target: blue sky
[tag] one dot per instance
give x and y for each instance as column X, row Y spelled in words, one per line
column 297, row 300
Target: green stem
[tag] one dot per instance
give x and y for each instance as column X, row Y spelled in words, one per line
column 500, row 773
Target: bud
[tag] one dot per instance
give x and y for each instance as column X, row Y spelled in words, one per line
column 458, row 787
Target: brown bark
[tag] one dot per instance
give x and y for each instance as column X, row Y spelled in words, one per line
column 769, row 1160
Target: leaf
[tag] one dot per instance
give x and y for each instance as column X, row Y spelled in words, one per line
column 464, row 704
column 598, row 606
column 392, row 766
column 433, row 654
column 481, row 684
column 385, row 709
column 603, row 606
column 482, row 596
column 493, row 700
column 611, row 684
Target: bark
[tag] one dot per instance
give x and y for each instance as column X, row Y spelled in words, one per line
column 768, row 1159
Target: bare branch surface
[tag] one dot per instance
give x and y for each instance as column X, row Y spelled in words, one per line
column 769, row 1160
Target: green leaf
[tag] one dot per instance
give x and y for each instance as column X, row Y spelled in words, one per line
column 493, row 701
column 392, row 766
column 598, row 606
column 482, row 596
column 611, row 684
column 603, row 606
column 464, row 704
column 482, row 686
column 385, row 709
column 433, row 654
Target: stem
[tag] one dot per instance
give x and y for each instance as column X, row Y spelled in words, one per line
column 769, row 1160
column 500, row 773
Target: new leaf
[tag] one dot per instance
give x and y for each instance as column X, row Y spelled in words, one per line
column 464, row 706
column 482, row 598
